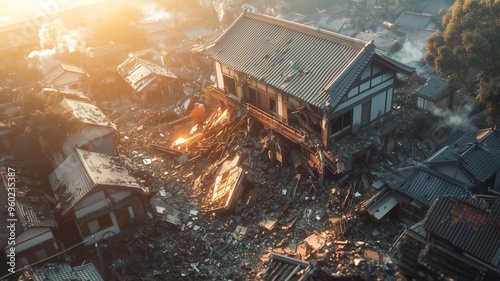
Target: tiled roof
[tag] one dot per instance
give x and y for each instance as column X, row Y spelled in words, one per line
column 65, row 272
column 29, row 214
column 434, row 90
column 412, row 20
column 469, row 224
column 316, row 66
column 88, row 113
column 412, row 253
column 475, row 152
column 139, row 73
column 423, row 184
column 84, row 170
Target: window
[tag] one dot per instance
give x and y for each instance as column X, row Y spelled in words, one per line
column 229, row 85
column 341, row 123
column 41, row 254
column 96, row 225
column 252, row 96
column 272, row 105
column 74, row 86
column 365, row 112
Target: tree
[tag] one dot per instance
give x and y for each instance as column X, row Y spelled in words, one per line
column 122, row 26
column 470, row 40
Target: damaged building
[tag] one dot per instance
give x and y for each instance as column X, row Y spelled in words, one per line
column 96, row 195
column 457, row 240
column 467, row 163
column 34, row 228
column 97, row 133
column 312, row 87
column 147, row 80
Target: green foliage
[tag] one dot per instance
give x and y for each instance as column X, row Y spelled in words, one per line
column 470, row 40
column 122, row 26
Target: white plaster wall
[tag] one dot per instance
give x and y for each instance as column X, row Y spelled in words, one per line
column 378, row 106
column 96, row 201
column 99, row 235
column 32, row 237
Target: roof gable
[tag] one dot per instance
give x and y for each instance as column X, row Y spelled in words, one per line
column 59, row 70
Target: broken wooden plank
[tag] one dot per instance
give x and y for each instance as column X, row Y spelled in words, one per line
column 167, row 150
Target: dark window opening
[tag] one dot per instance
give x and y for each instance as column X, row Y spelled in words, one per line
column 229, row 85
column 252, row 96
column 341, row 123
column 365, row 112
column 272, row 105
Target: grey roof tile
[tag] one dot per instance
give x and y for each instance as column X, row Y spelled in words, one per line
column 475, row 152
column 469, row 224
column 434, row 89
column 423, row 184
column 412, row 20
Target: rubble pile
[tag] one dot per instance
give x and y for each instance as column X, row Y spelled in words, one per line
column 280, row 209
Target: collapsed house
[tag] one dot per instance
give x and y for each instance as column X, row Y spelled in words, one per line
column 64, row 76
column 33, row 225
column 468, row 163
column 147, row 80
column 458, row 240
column 312, row 87
column 96, row 195
column 97, row 133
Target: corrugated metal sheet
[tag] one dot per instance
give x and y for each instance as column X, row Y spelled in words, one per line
column 423, row 184
column 434, row 89
column 469, row 224
column 297, row 59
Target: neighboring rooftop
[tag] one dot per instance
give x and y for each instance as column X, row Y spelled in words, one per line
column 434, row 89
column 88, row 113
column 409, row 21
column 108, row 49
column 139, row 73
column 84, row 170
column 475, row 152
column 30, row 213
column 469, row 224
column 58, row 71
column 63, row 272
column 423, row 184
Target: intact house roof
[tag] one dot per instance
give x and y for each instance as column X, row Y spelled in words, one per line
column 108, row 49
column 477, row 153
column 470, row 224
column 409, row 22
column 29, row 213
column 82, row 171
column 381, row 40
column 139, row 73
column 434, row 89
column 423, row 184
column 64, row 272
column 87, row 113
column 58, row 71
column 316, row 66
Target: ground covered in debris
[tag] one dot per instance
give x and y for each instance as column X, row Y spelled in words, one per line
column 283, row 209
